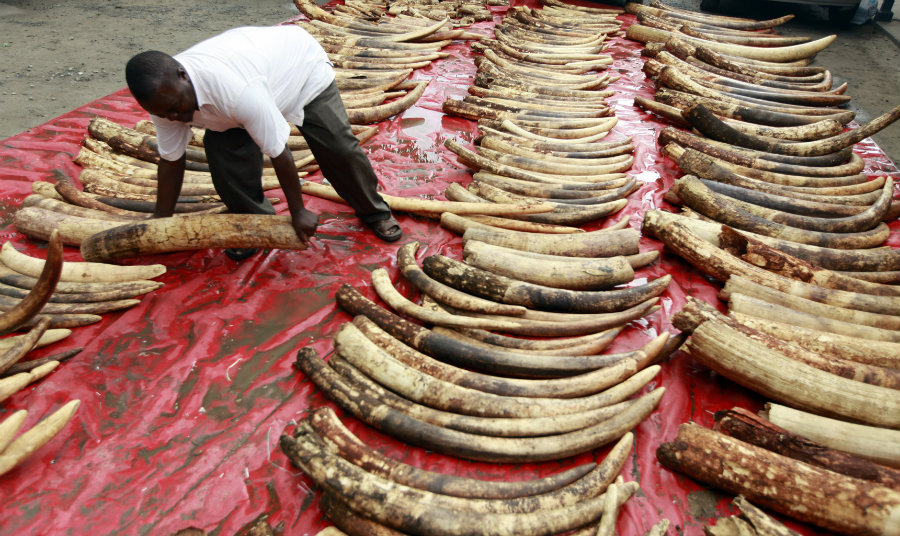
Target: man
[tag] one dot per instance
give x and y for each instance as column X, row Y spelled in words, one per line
column 244, row 86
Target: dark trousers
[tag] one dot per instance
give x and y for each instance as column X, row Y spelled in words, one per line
column 235, row 162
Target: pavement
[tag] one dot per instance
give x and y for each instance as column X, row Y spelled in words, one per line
column 892, row 27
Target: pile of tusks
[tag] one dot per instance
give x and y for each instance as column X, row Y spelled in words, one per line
column 468, row 387
column 459, row 378
column 541, row 110
column 775, row 206
column 771, row 444
column 45, row 298
column 479, row 394
column 767, row 154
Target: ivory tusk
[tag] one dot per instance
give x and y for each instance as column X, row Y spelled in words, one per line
column 40, row 294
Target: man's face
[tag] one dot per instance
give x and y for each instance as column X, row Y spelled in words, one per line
column 174, row 99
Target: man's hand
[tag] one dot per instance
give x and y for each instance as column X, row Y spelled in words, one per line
column 305, row 223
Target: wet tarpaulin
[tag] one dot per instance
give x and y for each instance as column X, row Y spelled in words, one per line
column 185, row 395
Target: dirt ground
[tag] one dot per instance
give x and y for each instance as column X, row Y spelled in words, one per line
column 56, row 55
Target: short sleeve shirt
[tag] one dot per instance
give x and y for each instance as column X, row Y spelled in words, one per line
column 255, row 78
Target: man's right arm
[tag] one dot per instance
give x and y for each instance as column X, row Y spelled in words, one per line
column 169, row 176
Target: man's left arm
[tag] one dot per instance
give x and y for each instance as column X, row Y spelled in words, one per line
column 257, row 112
column 303, row 220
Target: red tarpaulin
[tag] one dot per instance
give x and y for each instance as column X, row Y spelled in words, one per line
column 185, row 395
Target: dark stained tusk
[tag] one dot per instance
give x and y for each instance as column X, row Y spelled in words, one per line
column 469, row 446
column 773, row 260
column 747, row 159
column 570, row 387
column 856, row 223
column 508, row 362
column 704, row 145
column 40, row 294
column 732, row 109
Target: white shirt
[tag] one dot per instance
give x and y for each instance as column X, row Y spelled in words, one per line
column 255, row 78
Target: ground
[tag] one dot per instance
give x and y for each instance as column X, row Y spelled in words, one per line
column 56, row 56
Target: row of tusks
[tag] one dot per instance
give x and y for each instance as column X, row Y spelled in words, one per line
column 542, row 112
column 365, row 492
column 119, row 163
column 38, row 294
column 775, row 206
column 774, row 160
column 463, row 12
column 45, row 297
column 119, row 193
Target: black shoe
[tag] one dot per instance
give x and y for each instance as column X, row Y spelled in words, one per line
column 388, row 230
column 239, row 254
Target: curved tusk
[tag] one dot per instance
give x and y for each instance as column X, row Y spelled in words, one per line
column 40, row 294
column 875, row 260
column 700, row 198
column 571, row 387
column 706, row 122
column 784, row 54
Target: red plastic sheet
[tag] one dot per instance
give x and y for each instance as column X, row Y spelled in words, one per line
column 185, row 395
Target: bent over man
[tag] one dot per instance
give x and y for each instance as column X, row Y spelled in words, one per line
column 244, row 86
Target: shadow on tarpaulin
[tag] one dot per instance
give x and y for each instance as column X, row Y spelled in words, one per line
column 185, row 395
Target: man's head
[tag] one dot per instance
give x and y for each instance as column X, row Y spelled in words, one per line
column 161, row 86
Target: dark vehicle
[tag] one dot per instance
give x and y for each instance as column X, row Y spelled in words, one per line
column 840, row 11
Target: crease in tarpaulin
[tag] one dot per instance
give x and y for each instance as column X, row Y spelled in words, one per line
column 140, row 419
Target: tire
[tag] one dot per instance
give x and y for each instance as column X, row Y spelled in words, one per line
column 841, row 15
